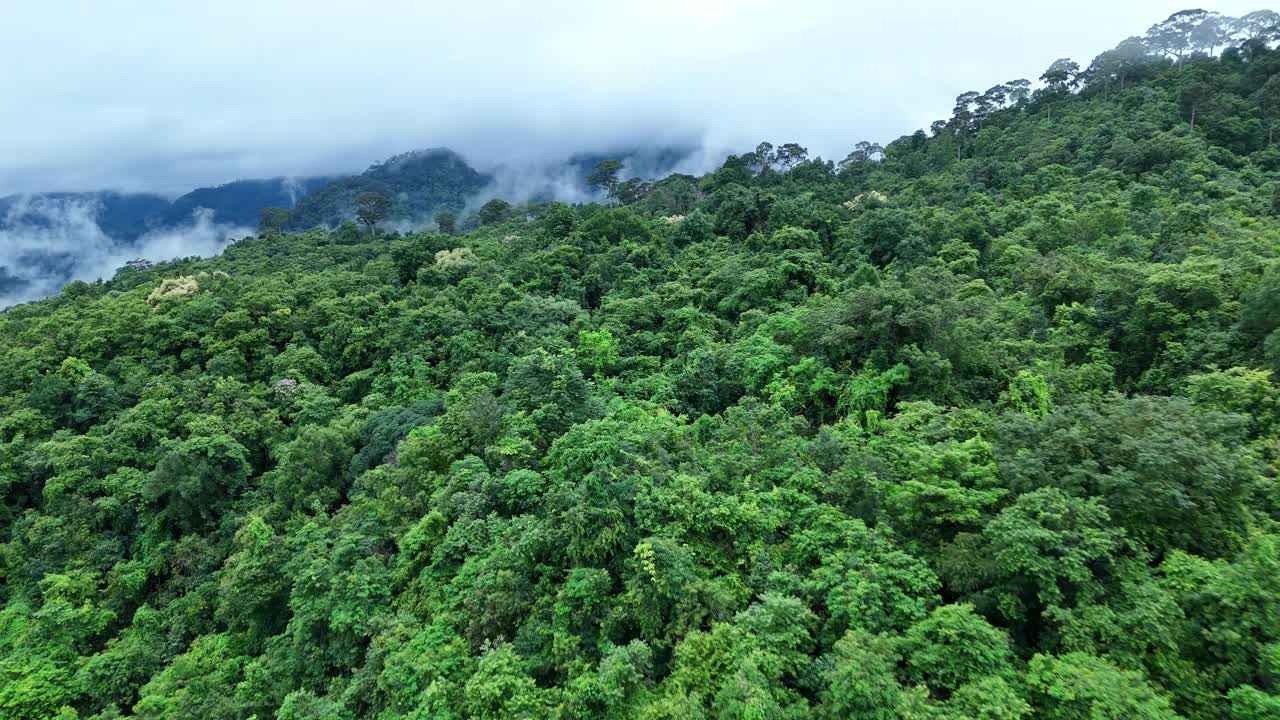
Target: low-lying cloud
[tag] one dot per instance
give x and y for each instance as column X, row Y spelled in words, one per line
column 46, row 242
column 530, row 180
column 163, row 97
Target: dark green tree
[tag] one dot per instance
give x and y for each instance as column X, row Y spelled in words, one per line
column 605, row 176
column 273, row 219
column 446, row 222
column 495, row 211
column 371, row 208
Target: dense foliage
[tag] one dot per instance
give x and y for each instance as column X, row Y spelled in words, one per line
column 981, row 424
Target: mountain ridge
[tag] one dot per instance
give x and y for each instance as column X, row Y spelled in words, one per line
column 445, row 180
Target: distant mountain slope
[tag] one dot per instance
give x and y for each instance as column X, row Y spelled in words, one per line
column 642, row 162
column 566, row 180
column 119, row 215
column 47, row 239
column 124, row 217
column 418, row 183
column 240, row 202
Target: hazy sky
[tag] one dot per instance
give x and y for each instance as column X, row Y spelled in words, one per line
column 164, row 95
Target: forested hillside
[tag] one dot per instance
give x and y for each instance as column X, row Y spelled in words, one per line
column 416, row 184
column 241, row 202
column 978, row 425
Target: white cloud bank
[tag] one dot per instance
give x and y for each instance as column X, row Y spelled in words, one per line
column 163, row 96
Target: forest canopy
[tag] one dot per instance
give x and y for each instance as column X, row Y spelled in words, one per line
column 979, row 424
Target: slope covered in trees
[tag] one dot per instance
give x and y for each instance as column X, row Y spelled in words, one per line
column 981, row 424
column 241, row 202
column 417, row 184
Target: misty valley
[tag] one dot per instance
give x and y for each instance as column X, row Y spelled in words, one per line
column 47, row 239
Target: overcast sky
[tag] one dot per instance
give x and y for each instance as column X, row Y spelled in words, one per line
column 166, row 96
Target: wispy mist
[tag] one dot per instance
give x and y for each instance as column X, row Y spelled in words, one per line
column 533, row 180
column 46, row 242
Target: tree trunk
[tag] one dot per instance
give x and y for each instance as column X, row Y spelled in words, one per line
column 1193, row 117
